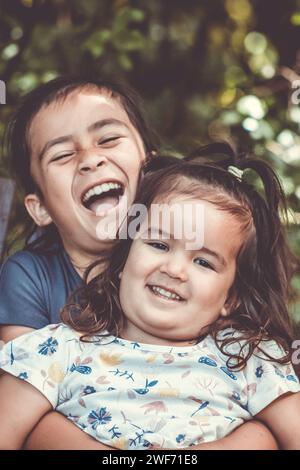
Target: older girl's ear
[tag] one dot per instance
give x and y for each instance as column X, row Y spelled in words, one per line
column 37, row 211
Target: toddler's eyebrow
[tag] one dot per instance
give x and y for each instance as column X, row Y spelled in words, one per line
column 152, row 231
column 68, row 138
column 218, row 257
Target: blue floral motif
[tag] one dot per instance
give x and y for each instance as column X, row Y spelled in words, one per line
column 207, row 361
column 292, row 378
column 200, row 407
column 88, row 390
column 127, row 374
column 259, row 372
column 235, row 396
column 139, row 438
column 180, row 438
column 228, row 372
column 80, row 369
column 278, row 372
column 23, row 376
column 49, row 347
column 16, row 354
column 143, row 391
column 99, row 416
column 115, row 433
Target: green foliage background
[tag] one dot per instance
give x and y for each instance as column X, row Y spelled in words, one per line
column 205, row 69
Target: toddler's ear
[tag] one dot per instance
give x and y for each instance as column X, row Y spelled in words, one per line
column 37, row 210
column 224, row 312
column 231, row 304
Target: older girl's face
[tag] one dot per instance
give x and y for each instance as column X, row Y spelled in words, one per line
column 170, row 292
column 86, row 157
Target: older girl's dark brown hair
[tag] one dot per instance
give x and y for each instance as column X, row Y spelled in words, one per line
column 260, row 292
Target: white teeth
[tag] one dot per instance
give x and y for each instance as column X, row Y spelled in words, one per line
column 165, row 293
column 105, row 187
column 99, row 189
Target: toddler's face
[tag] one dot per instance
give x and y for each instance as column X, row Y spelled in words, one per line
column 170, row 292
column 86, row 156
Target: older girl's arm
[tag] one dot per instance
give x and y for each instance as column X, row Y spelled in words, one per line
column 55, row 432
column 282, row 416
column 21, row 408
column 252, row 435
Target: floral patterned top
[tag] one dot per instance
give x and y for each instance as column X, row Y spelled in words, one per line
column 129, row 395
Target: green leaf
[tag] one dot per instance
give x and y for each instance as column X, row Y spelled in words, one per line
column 137, row 15
column 125, row 16
column 95, row 44
column 131, row 41
column 295, row 19
column 125, row 62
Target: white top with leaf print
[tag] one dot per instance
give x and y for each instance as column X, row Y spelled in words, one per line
column 130, row 395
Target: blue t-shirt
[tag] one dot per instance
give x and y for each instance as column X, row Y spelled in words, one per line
column 35, row 287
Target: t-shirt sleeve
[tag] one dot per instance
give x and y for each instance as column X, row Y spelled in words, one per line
column 40, row 358
column 22, row 300
column 266, row 380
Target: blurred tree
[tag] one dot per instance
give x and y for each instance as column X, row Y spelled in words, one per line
column 205, row 69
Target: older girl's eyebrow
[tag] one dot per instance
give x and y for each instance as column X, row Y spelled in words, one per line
column 92, row 127
column 51, row 143
column 106, row 122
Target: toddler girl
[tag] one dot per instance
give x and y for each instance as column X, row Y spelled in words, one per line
column 185, row 335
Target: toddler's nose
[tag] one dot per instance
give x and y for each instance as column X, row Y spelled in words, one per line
column 175, row 267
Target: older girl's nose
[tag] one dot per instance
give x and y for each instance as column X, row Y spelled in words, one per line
column 90, row 161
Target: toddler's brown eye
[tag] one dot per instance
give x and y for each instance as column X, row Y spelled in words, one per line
column 158, row 246
column 203, row 262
